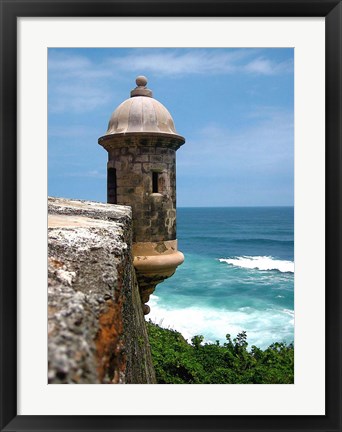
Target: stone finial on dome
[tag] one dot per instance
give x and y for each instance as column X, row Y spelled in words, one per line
column 141, row 81
column 141, row 89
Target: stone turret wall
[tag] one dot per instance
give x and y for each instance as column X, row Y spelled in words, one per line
column 135, row 159
column 141, row 141
column 96, row 331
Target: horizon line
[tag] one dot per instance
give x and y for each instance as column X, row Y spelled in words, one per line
column 238, row 206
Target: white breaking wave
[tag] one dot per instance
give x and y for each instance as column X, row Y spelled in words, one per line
column 260, row 263
column 263, row 327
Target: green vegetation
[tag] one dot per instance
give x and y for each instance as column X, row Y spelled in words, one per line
column 178, row 362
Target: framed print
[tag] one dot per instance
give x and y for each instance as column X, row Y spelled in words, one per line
column 52, row 53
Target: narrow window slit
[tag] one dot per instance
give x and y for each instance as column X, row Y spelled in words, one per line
column 155, row 179
column 111, row 186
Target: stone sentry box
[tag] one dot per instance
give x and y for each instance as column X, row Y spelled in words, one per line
column 141, row 142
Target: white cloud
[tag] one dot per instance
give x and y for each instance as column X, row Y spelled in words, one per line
column 88, row 174
column 76, row 84
column 263, row 66
column 80, row 84
column 77, row 97
column 175, row 62
column 76, row 66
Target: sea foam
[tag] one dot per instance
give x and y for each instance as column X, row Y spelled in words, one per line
column 260, row 263
column 263, row 327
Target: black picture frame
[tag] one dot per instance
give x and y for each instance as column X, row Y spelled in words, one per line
column 10, row 11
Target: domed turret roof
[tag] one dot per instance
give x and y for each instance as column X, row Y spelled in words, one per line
column 141, row 113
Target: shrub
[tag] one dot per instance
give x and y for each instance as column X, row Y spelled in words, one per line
column 178, row 362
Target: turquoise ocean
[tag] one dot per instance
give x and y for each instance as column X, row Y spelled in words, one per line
column 238, row 274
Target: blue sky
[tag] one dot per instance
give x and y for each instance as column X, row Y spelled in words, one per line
column 235, row 108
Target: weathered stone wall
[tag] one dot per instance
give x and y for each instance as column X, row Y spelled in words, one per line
column 135, row 159
column 96, row 330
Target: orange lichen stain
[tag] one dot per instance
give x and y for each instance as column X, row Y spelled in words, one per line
column 55, row 263
column 109, row 345
column 52, row 310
